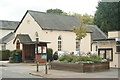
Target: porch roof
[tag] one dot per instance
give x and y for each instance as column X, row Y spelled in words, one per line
column 34, row 42
column 108, row 39
column 25, row 39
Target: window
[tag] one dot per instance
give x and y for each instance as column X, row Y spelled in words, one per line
column 106, row 53
column 77, row 45
column 96, row 47
column 118, row 46
column 17, row 44
column 59, row 43
column 4, row 47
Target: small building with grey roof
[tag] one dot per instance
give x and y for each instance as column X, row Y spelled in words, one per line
column 7, row 32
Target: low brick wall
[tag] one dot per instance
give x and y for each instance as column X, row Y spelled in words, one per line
column 80, row 67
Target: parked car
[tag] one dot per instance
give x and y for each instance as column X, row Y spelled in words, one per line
column 91, row 53
column 77, row 53
column 59, row 53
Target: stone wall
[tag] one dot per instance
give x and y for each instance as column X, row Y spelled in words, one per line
column 80, row 67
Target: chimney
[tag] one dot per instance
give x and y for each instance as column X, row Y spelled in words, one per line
column 113, row 34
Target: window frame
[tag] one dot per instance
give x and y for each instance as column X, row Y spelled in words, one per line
column 59, row 43
column 118, row 46
column 17, row 44
column 104, row 55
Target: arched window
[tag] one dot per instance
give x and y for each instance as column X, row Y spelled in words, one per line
column 17, row 44
column 59, row 43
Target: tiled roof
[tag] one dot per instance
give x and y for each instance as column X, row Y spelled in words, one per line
column 24, row 38
column 96, row 32
column 49, row 21
column 8, row 25
column 7, row 38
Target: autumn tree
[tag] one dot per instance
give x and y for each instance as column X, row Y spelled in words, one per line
column 80, row 32
column 87, row 19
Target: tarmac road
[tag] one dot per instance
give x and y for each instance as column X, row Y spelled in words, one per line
column 16, row 71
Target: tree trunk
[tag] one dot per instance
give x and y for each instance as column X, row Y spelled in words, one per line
column 78, row 45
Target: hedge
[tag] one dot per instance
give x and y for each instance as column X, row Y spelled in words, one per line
column 4, row 54
column 49, row 54
column 14, row 54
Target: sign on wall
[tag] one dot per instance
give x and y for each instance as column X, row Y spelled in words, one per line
column 44, row 56
column 39, row 49
column 44, row 49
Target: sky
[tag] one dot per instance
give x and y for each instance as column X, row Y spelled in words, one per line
column 14, row 10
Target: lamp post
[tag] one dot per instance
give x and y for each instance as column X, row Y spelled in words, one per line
column 36, row 52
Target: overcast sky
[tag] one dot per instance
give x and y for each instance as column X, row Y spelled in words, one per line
column 14, row 10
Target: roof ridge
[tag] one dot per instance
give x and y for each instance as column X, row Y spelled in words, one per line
column 50, row 13
column 9, row 21
column 91, row 25
column 22, row 34
column 7, row 34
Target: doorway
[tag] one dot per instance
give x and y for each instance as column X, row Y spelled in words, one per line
column 106, row 53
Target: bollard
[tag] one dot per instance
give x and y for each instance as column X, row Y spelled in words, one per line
column 46, row 71
column 37, row 66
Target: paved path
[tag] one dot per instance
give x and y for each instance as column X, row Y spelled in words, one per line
column 112, row 73
column 23, row 70
column 16, row 71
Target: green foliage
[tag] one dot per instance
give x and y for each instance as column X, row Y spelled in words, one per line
column 72, row 58
column 14, row 54
column 80, row 32
column 87, row 19
column 66, row 58
column 56, row 11
column 4, row 54
column 107, row 16
column 49, row 54
column 95, row 58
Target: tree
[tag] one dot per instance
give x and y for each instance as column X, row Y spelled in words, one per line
column 107, row 15
column 80, row 32
column 87, row 19
column 55, row 11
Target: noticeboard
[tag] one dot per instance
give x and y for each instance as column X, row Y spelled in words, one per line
column 44, row 49
column 39, row 49
column 43, row 56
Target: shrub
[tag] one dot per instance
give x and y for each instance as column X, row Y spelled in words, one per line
column 84, row 58
column 55, row 56
column 14, row 54
column 94, row 56
column 4, row 54
column 66, row 58
column 72, row 58
column 49, row 54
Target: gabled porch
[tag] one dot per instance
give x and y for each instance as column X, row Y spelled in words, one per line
column 28, row 47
